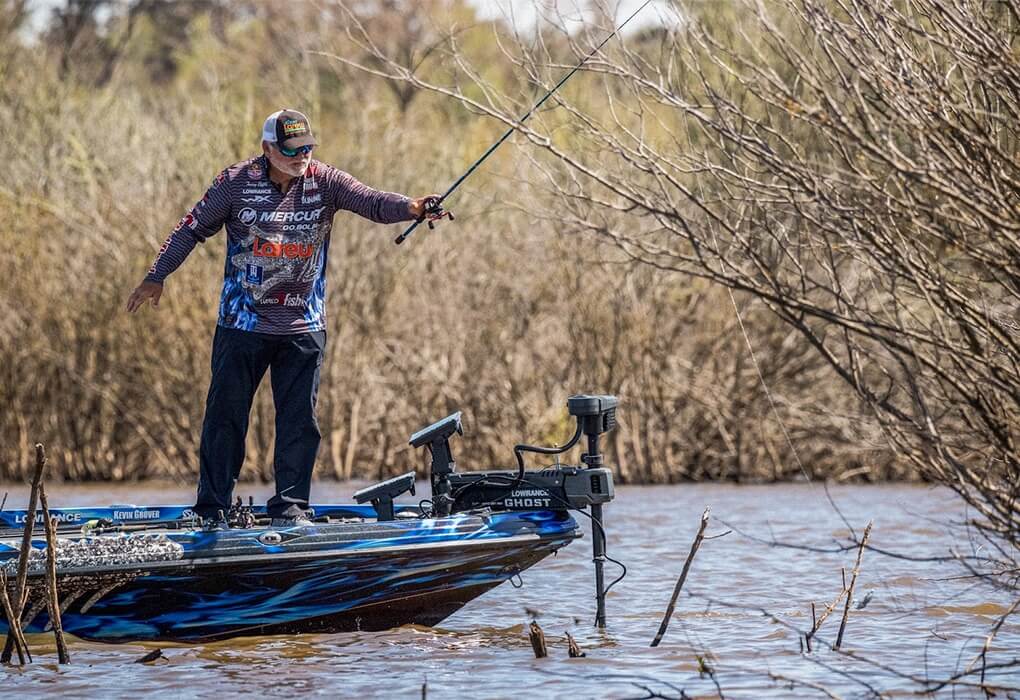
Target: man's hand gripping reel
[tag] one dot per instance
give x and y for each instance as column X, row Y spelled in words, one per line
column 433, row 212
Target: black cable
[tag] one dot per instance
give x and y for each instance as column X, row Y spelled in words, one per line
column 518, row 449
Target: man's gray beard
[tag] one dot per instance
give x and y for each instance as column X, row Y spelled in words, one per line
column 295, row 171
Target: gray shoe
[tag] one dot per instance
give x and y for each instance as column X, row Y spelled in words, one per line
column 296, row 521
column 213, row 524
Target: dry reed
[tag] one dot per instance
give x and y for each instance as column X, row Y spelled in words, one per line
column 500, row 314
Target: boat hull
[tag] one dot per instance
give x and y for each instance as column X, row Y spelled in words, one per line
column 317, row 579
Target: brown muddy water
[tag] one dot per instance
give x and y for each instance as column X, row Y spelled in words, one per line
column 740, row 611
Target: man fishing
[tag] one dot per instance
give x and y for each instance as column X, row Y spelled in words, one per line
column 278, row 210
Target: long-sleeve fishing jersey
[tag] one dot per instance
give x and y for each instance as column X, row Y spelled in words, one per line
column 274, row 280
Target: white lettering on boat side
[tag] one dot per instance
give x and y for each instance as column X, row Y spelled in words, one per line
column 136, row 514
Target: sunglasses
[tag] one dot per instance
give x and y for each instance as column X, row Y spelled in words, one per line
column 291, row 152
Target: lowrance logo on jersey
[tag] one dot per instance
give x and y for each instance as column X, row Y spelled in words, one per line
column 284, row 217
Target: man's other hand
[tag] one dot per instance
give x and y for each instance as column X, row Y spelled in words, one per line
column 146, row 291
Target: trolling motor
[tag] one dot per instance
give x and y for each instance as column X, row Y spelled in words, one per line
column 559, row 487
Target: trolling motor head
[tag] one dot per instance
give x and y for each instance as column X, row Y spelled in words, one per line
column 595, row 415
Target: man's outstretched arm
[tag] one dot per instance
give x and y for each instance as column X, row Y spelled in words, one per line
column 381, row 207
column 203, row 220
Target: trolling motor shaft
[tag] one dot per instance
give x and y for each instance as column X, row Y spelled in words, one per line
column 595, row 415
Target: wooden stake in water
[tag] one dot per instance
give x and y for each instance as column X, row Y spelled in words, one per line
column 537, row 637
column 850, row 588
column 26, row 547
column 13, row 621
column 53, row 597
column 683, row 577
column 573, row 650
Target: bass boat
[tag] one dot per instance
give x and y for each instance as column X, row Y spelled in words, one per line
column 131, row 573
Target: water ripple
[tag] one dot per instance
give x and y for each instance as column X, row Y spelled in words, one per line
column 919, row 619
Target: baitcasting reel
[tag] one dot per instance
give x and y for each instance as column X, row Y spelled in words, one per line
column 434, row 211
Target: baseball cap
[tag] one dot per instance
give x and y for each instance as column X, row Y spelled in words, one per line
column 288, row 128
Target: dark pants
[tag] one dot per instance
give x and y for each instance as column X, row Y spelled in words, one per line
column 239, row 360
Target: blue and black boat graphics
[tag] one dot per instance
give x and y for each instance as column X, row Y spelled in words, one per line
column 344, row 574
column 128, row 573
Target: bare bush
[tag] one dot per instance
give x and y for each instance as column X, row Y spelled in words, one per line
column 498, row 315
column 851, row 165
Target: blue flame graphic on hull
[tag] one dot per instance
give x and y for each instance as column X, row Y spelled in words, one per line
column 363, row 575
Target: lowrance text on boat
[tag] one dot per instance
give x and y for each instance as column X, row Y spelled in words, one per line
column 528, row 498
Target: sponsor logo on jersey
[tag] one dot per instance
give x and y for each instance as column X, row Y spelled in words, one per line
column 257, row 189
column 253, row 274
column 311, row 200
column 254, row 171
column 289, row 216
column 293, row 300
column 247, row 216
column 189, row 221
column 256, row 199
column 268, row 249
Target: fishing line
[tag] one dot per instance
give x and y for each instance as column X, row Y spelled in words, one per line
column 434, row 208
column 750, row 348
column 768, row 392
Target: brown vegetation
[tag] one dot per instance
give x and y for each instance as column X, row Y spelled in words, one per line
column 852, row 166
column 502, row 314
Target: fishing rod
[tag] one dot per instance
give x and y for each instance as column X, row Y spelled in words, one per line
column 434, row 205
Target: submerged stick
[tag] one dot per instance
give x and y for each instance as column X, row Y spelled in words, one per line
column 816, row 624
column 26, row 546
column 850, row 588
column 13, row 621
column 537, row 640
column 683, row 577
column 573, row 650
column 150, row 657
column 53, row 597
